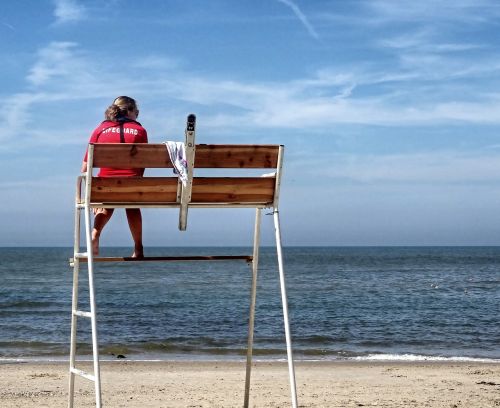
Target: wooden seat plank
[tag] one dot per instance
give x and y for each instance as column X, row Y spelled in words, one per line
column 233, row 190
column 258, row 190
column 134, row 189
column 236, row 156
column 129, row 155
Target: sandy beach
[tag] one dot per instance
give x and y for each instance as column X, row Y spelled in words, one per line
column 221, row 384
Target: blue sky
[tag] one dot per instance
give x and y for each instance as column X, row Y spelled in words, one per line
column 389, row 111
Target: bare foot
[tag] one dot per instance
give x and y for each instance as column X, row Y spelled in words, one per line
column 138, row 252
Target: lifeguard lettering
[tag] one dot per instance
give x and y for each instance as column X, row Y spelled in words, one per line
column 117, row 130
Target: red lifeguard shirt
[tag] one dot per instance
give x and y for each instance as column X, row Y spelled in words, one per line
column 109, row 132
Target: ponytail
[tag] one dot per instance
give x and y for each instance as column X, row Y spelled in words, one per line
column 120, row 108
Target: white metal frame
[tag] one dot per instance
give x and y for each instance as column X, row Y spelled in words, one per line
column 87, row 206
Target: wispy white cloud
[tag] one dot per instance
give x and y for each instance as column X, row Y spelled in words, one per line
column 414, row 168
column 67, row 11
column 466, row 11
column 53, row 61
column 404, row 15
column 426, row 40
column 301, row 16
column 9, row 26
column 60, row 74
column 15, row 115
column 156, row 62
column 65, row 75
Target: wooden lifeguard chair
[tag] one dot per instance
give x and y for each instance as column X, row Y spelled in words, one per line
column 168, row 192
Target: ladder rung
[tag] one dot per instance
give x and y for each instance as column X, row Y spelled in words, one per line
column 82, row 374
column 81, row 255
column 82, row 313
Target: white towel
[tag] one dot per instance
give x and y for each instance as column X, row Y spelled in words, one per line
column 177, row 154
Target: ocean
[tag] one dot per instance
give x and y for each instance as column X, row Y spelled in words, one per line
column 361, row 303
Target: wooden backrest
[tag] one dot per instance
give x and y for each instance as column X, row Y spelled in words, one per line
column 217, row 191
column 119, row 155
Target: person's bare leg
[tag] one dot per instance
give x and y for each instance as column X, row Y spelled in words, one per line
column 134, row 218
column 102, row 216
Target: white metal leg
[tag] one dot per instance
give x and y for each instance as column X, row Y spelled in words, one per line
column 291, row 370
column 253, row 297
column 74, row 307
column 95, row 344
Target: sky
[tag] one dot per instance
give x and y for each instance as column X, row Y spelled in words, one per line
column 389, row 111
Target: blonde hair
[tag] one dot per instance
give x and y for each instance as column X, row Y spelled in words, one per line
column 120, row 108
